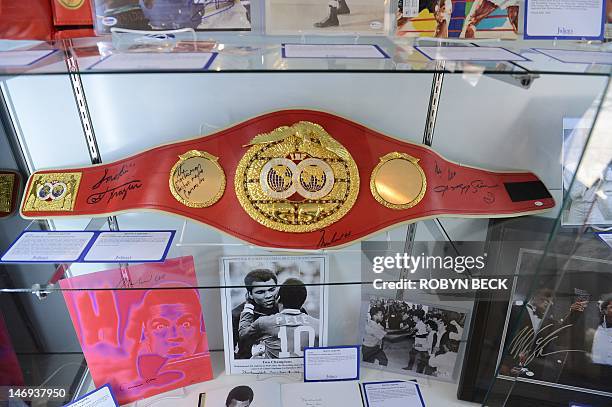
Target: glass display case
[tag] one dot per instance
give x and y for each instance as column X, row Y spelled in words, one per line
column 478, row 265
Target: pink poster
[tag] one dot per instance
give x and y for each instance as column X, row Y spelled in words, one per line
column 147, row 339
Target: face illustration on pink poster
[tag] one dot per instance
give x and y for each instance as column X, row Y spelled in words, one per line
column 146, row 340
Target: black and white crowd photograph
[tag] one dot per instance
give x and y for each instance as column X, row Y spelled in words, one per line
column 412, row 338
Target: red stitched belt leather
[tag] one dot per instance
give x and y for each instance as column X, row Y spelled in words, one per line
column 293, row 179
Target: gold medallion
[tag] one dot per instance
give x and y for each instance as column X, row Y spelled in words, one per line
column 71, row 4
column 398, row 181
column 7, row 185
column 296, row 179
column 52, row 192
column 197, row 180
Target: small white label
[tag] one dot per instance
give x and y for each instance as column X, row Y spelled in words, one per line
column 456, row 53
column 109, row 21
column 22, row 58
column 539, row 203
column 48, row 247
column 564, row 18
column 129, row 247
column 366, row 51
column 156, row 61
column 607, row 238
column 411, row 8
column 328, row 364
column 393, row 394
column 102, row 397
column 577, row 56
column 376, row 25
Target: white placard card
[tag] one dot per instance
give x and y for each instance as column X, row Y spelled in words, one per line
column 93, row 247
column 156, row 61
column 102, row 397
column 17, row 58
column 570, row 56
column 469, row 54
column 564, row 19
column 331, row 364
column 129, row 246
column 351, row 51
column 393, row 394
column 47, row 247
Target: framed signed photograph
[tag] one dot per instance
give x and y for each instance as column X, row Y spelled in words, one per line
column 547, row 340
column 272, row 307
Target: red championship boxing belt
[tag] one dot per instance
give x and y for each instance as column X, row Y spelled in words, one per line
column 294, row 179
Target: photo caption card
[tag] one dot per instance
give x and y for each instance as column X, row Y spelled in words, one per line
column 469, row 54
column 331, row 364
column 156, row 61
column 23, row 58
column 350, row 51
column 577, row 56
column 564, row 19
column 44, row 247
column 102, row 397
column 393, row 394
column 130, row 246
column 89, row 247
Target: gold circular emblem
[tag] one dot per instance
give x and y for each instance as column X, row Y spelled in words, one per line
column 197, row 180
column 296, row 179
column 72, row 4
column 398, row 181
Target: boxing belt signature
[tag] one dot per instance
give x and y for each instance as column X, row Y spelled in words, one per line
column 294, row 179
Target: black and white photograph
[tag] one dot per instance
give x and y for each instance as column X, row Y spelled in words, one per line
column 275, row 308
column 559, row 324
column 325, row 17
column 590, row 202
column 412, row 338
column 256, row 394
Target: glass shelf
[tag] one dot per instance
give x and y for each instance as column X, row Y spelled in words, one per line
column 257, row 53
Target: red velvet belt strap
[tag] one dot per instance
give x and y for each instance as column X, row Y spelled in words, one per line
column 294, row 179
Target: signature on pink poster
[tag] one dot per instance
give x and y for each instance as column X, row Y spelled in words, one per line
column 146, row 340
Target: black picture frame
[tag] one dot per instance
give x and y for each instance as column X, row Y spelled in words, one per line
column 478, row 381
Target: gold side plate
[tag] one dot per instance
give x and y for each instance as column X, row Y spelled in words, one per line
column 7, row 184
column 197, row 180
column 398, row 181
column 52, row 192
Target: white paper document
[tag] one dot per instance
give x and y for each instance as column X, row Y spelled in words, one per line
column 23, row 58
column 321, row 364
column 48, row 247
column 101, row 397
column 334, row 394
column 577, row 57
column 393, row 394
column 606, row 237
column 332, row 51
column 564, row 18
column 129, row 246
column 469, row 54
column 155, row 61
